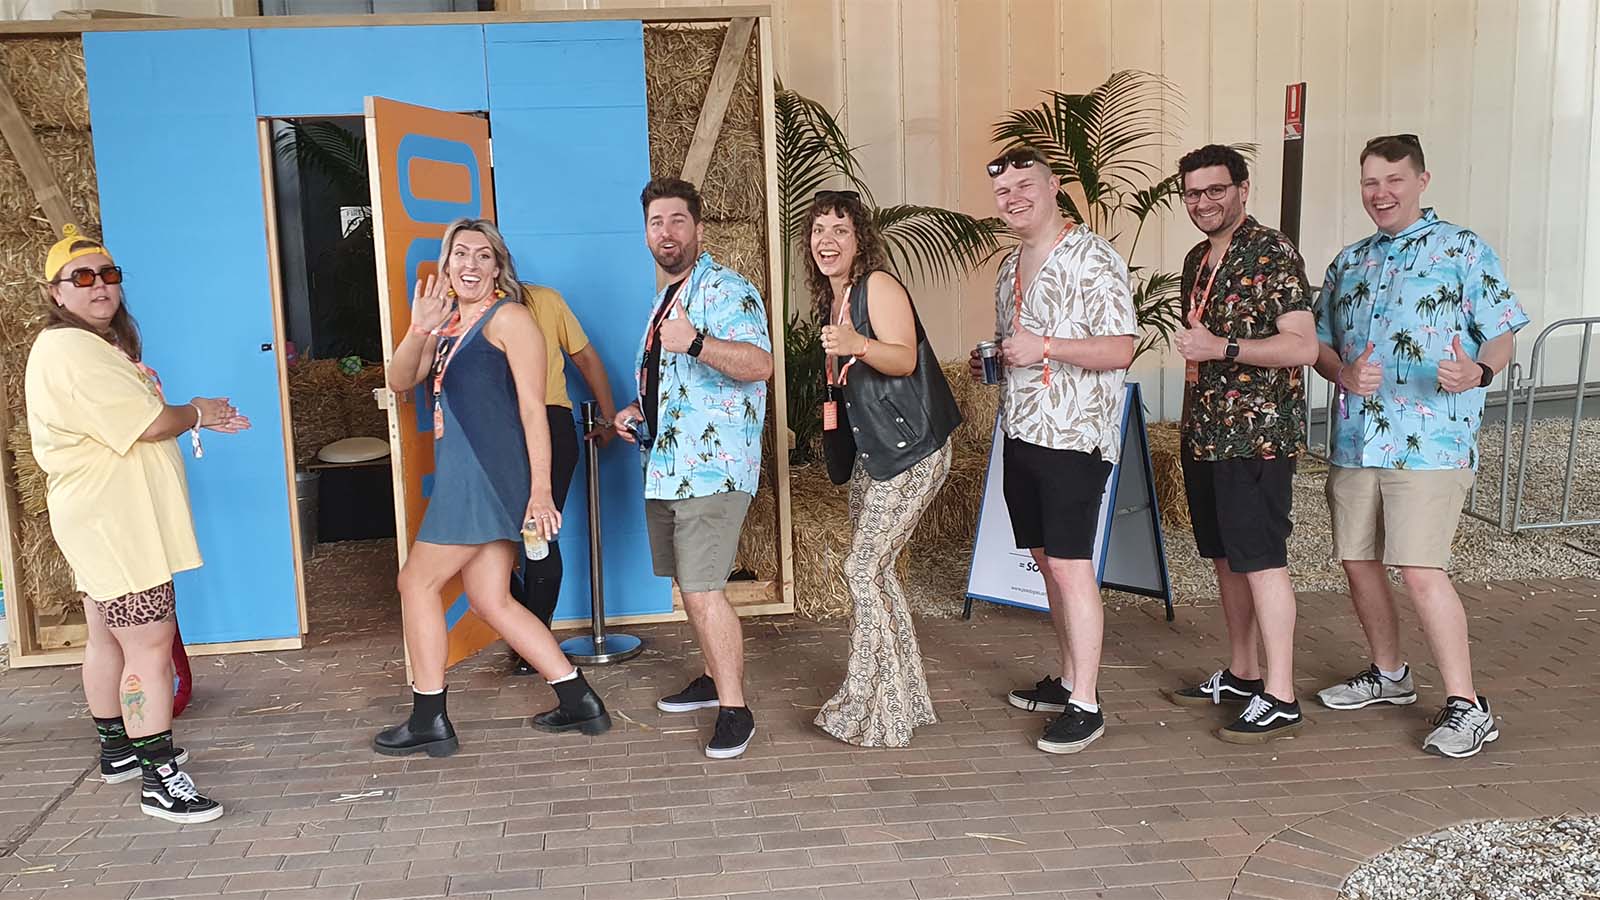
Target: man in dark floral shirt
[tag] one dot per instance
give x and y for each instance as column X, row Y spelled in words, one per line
column 1249, row 330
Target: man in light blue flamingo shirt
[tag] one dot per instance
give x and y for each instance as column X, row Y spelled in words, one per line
column 1414, row 323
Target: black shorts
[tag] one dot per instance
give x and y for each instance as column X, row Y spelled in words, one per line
column 1053, row 497
column 1240, row 509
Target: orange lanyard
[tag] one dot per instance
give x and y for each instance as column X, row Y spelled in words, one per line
column 829, row 361
column 1017, row 285
column 1198, row 302
column 657, row 317
column 456, row 329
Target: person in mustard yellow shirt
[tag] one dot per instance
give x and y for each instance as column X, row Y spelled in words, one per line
column 119, row 509
column 538, row 585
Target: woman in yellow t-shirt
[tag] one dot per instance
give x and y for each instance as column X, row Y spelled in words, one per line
column 538, row 585
column 119, row 510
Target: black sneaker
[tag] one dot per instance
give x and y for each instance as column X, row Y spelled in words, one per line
column 1073, row 730
column 1264, row 719
column 1046, row 696
column 169, row 793
column 701, row 693
column 1222, row 687
column 126, row 768
column 735, row 727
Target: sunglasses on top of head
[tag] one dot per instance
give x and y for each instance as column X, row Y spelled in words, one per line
column 1016, row 159
column 1409, row 139
column 85, row 277
column 836, row 195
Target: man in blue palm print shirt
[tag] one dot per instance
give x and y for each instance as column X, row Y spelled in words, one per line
column 703, row 364
column 1414, row 322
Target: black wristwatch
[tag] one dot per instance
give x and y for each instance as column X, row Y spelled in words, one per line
column 1233, row 348
column 698, row 344
column 1488, row 375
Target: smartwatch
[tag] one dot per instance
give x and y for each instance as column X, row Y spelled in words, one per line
column 1488, row 375
column 1233, row 348
column 697, row 344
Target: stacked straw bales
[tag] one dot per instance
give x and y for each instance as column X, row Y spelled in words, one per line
column 46, row 76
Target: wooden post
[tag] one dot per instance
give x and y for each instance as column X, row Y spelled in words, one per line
column 30, row 156
column 775, row 318
column 726, row 75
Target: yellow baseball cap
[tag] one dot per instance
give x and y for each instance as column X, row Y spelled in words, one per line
column 65, row 251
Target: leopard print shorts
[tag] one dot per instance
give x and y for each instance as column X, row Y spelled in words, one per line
column 140, row 607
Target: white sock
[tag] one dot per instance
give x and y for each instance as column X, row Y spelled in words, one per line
column 1086, row 707
column 1397, row 674
column 567, row 677
column 427, row 693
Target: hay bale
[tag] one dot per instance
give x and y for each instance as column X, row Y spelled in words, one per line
column 326, row 405
column 70, row 155
column 46, row 76
column 741, row 247
column 1166, row 463
column 30, row 478
column 46, row 579
column 365, row 418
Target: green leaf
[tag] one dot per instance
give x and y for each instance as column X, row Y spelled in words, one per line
column 936, row 244
column 336, row 153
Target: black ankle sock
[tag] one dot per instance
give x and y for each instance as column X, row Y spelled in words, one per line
column 113, row 737
column 572, row 690
column 424, row 707
column 154, row 750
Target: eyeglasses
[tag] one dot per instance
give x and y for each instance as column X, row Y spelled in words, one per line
column 1408, row 139
column 1023, row 158
column 836, row 195
column 1212, row 192
column 85, row 277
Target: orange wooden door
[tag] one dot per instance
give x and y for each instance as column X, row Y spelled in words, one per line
column 428, row 168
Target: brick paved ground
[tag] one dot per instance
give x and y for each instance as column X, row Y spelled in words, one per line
column 1156, row 809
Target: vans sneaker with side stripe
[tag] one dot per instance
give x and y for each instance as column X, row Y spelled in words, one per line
column 1265, row 719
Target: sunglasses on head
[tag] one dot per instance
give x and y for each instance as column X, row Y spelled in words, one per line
column 1016, row 159
column 836, row 195
column 85, row 277
column 1408, row 139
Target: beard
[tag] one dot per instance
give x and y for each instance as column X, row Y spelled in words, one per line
column 676, row 262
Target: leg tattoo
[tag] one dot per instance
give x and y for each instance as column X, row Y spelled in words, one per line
column 133, row 699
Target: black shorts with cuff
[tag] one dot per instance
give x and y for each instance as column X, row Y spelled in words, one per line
column 1240, row 509
column 1053, row 497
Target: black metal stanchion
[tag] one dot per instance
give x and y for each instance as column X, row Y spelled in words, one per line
column 598, row 648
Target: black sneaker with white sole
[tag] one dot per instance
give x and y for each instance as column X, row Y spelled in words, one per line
column 126, row 767
column 735, row 727
column 1264, row 719
column 1073, row 730
column 700, row 693
column 169, row 793
column 1222, row 687
column 1047, row 696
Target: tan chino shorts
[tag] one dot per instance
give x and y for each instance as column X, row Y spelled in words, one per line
column 694, row 539
column 1404, row 517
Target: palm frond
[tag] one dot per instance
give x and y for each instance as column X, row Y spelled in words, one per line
column 1156, row 307
column 336, row 153
column 936, row 244
column 812, row 150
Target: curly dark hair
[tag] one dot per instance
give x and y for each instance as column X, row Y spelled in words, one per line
column 870, row 255
column 1214, row 155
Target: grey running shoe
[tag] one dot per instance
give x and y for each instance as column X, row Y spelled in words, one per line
column 1367, row 688
column 1463, row 728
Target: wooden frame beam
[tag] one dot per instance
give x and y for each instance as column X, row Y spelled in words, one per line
column 776, row 324
column 649, row 15
column 25, row 148
column 723, row 78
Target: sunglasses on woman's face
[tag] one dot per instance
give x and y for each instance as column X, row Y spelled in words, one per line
column 85, row 277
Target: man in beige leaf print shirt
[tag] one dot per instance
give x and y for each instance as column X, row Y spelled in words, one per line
column 1064, row 316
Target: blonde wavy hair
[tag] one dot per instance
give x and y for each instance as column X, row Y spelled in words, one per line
column 507, row 281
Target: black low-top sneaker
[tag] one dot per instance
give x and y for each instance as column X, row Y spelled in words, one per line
column 1046, row 696
column 126, row 768
column 1073, row 730
column 1265, row 719
column 735, row 727
column 700, row 693
column 1222, row 687
column 169, row 793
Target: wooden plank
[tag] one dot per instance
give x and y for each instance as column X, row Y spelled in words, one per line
column 775, row 321
column 724, row 77
column 81, row 14
column 279, row 342
column 25, row 148
column 74, row 656
column 18, row 607
column 748, row 598
column 643, row 14
column 60, row 637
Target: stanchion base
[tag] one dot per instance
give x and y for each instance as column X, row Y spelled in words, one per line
column 614, row 648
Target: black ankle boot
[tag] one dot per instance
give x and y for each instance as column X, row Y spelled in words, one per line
column 580, row 708
column 427, row 731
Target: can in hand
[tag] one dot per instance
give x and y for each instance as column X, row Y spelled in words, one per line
column 533, row 543
column 989, row 353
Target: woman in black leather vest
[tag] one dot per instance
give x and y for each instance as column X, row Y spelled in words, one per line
column 887, row 416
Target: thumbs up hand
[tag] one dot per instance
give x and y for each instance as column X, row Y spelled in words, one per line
column 842, row 339
column 1459, row 372
column 677, row 332
column 1362, row 376
column 1023, row 348
column 1196, row 343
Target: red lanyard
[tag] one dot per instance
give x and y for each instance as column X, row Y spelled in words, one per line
column 455, row 328
column 1017, row 285
column 1197, row 306
column 656, row 318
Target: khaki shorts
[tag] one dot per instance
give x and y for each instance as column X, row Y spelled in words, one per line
column 1404, row 517
column 694, row 539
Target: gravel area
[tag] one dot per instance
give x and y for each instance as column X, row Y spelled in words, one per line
column 1538, row 859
